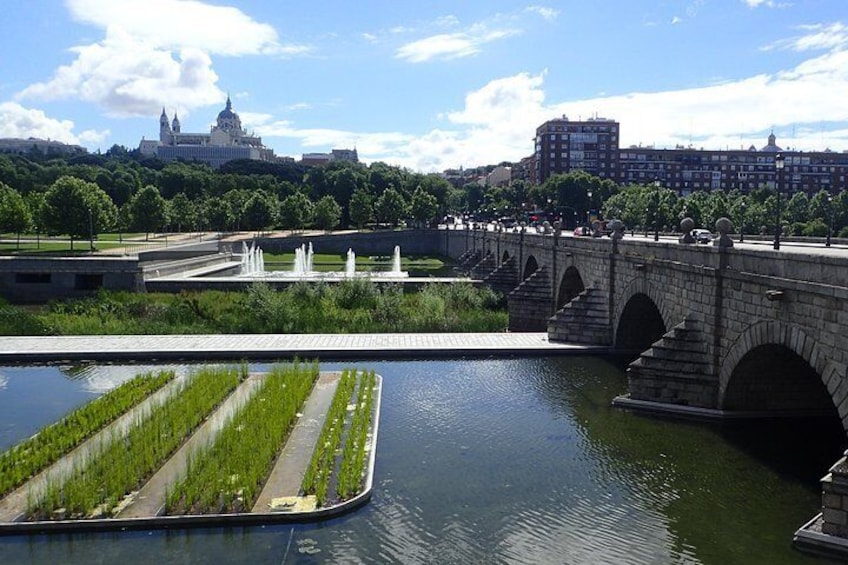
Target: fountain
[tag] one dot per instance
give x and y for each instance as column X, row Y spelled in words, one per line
column 302, row 261
column 350, row 264
column 253, row 265
column 396, row 262
column 252, row 261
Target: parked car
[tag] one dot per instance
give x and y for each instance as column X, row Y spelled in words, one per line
column 702, row 236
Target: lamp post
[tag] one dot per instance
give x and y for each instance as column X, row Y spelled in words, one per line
column 90, row 230
column 657, row 184
column 829, row 219
column 742, row 221
column 779, row 163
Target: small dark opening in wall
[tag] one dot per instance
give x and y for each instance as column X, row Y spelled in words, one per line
column 32, row 278
column 88, row 282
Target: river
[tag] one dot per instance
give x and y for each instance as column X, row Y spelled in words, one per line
column 493, row 461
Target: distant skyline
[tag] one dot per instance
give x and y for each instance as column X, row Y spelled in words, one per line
column 432, row 85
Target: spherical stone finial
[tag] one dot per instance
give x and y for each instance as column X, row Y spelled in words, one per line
column 617, row 228
column 686, row 226
column 723, row 226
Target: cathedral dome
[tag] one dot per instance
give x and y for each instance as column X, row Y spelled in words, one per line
column 227, row 113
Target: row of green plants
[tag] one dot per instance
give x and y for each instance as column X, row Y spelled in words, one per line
column 31, row 456
column 351, row 306
column 339, row 429
column 228, row 475
column 356, row 443
column 126, row 461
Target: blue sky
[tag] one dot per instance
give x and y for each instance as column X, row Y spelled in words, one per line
column 428, row 85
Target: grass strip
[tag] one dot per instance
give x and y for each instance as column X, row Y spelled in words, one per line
column 123, row 464
column 23, row 461
column 228, row 476
column 316, row 480
column 354, row 453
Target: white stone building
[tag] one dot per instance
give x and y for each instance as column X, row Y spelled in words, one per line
column 226, row 141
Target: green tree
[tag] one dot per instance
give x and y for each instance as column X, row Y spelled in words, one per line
column 217, row 214
column 261, row 211
column 78, row 208
column 390, row 207
column 361, row 208
column 328, row 213
column 15, row 216
column 423, row 206
column 237, row 199
column 182, row 212
column 148, row 211
column 296, row 211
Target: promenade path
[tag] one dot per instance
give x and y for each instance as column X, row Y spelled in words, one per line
column 32, row 349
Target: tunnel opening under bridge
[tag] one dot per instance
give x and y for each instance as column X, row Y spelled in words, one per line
column 796, row 428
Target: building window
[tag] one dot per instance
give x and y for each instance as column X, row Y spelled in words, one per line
column 88, row 282
column 33, row 278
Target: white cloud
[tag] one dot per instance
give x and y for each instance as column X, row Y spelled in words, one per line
column 177, row 24
column 447, row 21
column 549, row 14
column 815, row 37
column 150, row 58
column 129, row 77
column 676, row 20
column 448, row 46
column 19, row 122
column 497, row 122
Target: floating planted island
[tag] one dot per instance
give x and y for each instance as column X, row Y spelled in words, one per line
column 217, row 446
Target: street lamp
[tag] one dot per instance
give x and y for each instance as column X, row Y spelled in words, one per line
column 779, row 163
column 742, row 221
column 657, row 184
column 829, row 219
column 90, row 230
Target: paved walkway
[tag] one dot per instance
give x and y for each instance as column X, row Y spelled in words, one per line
column 287, row 476
column 30, row 349
column 14, row 505
column 150, row 499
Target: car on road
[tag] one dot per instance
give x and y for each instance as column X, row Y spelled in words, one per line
column 582, row 231
column 702, row 236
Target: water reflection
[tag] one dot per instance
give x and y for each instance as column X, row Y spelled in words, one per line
column 511, row 461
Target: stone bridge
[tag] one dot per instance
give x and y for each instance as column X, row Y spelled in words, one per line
column 715, row 331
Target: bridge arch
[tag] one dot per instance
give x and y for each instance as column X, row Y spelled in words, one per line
column 774, row 366
column 569, row 287
column 641, row 317
column 530, row 267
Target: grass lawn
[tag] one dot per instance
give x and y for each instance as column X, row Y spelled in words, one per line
column 53, row 247
column 325, row 262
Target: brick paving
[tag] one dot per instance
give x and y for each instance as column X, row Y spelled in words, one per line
column 32, row 349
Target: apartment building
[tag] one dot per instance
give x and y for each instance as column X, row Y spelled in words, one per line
column 563, row 145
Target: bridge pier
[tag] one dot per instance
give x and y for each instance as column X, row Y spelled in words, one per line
column 827, row 533
column 674, row 371
column 530, row 303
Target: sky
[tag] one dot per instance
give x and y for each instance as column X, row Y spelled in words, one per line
column 428, row 85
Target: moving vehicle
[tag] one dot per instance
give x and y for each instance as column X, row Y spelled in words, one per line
column 702, row 236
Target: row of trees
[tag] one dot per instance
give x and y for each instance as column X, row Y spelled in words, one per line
column 122, row 191
column 81, row 209
column 755, row 212
column 122, row 175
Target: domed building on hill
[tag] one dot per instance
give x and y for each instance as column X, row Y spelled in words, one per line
column 226, row 141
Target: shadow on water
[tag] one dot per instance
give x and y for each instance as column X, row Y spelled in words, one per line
column 716, row 485
column 801, row 449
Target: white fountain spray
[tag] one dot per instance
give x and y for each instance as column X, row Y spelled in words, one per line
column 396, row 262
column 350, row 264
